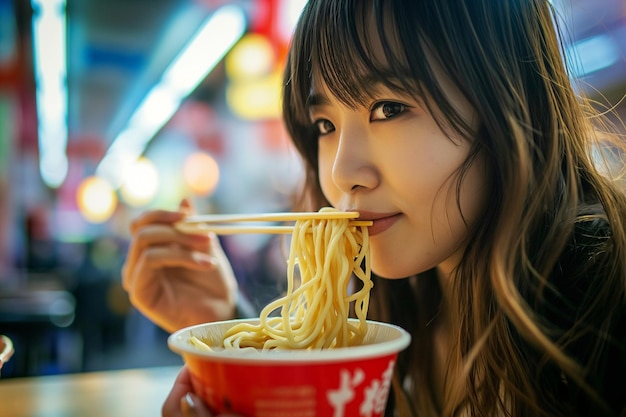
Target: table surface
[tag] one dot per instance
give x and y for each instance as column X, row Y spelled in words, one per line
column 120, row 393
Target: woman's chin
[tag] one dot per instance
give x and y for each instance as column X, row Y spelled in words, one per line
column 389, row 272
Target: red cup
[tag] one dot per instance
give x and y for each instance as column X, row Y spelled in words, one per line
column 341, row 382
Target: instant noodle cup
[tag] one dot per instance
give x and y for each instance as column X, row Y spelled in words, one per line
column 340, row 382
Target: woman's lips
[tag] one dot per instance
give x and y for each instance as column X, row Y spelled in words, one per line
column 380, row 224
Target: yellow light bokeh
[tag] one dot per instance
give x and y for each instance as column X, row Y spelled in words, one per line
column 256, row 99
column 96, row 199
column 252, row 57
column 141, row 183
column 201, row 173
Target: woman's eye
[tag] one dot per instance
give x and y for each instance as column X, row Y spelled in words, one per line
column 387, row 110
column 323, row 126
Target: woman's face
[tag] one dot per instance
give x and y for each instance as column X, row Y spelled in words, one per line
column 390, row 161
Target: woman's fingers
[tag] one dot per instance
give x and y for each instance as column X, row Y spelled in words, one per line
column 181, row 401
column 159, row 258
column 175, row 257
column 159, row 234
column 163, row 246
column 154, row 217
column 164, row 236
column 192, row 406
column 165, row 268
column 156, row 227
column 182, row 386
column 167, row 217
column 186, row 207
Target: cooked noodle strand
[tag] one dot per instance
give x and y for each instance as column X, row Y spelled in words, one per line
column 327, row 253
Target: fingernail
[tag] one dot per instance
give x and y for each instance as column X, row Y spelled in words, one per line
column 203, row 258
column 185, row 206
column 188, row 405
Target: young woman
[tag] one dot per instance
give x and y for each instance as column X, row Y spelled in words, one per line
column 499, row 236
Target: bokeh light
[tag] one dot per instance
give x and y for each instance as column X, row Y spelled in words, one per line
column 201, row 173
column 96, row 199
column 256, row 99
column 252, row 57
column 141, row 183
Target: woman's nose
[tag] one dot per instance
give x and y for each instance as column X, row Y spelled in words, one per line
column 354, row 166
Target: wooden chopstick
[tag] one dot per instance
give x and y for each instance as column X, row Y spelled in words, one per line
column 232, row 229
column 269, row 217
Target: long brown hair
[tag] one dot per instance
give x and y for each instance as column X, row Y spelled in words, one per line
column 538, row 140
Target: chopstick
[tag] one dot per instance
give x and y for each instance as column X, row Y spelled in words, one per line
column 270, row 217
column 217, row 223
column 246, row 229
column 232, row 229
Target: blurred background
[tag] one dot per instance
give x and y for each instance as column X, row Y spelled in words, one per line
column 112, row 107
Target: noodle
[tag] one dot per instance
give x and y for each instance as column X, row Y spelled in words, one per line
column 315, row 315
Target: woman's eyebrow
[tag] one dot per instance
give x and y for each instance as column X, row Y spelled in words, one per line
column 321, row 99
column 317, row 99
column 369, row 83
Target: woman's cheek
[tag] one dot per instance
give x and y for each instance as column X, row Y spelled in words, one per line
column 325, row 168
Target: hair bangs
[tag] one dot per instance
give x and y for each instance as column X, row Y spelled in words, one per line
column 344, row 60
column 364, row 54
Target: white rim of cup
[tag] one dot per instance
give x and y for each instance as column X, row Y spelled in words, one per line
column 179, row 343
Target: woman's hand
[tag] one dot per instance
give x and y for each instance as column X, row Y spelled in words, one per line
column 182, row 402
column 177, row 279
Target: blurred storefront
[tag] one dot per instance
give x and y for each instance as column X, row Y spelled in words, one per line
column 63, row 243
